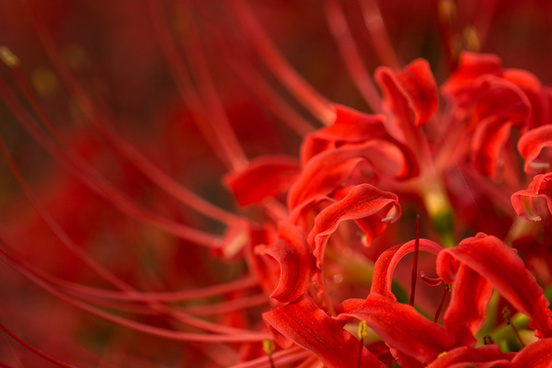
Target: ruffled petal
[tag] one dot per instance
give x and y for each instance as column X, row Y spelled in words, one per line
column 467, row 309
column 471, row 66
column 410, row 94
column 536, row 355
column 400, row 326
column 325, row 173
column 264, row 177
column 488, row 141
column 501, row 266
column 530, row 146
column 523, row 201
column 293, row 255
column 363, row 201
column 534, row 92
column 483, row 357
column 352, row 128
column 388, row 260
column 308, row 326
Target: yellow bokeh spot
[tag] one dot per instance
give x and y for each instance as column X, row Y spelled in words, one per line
column 8, row 57
column 44, row 81
column 471, row 39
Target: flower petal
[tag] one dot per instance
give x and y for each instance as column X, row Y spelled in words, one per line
column 536, row 355
column 352, row 127
column 363, row 201
column 523, row 200
column 325, row 173
column 471, row 66
column 488, row 140
column 530, row 146
column 410, row 94
column 501, row 266
column 265, row 177
column 292, row 253
column 400, row 326
column 388, row 260
column 484, row 357
column 467, row 309
column 310, row 327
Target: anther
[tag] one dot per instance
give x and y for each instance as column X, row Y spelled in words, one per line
column 447, row 11
column 507, row 315
column 471, row 39
column 488, row 340
column 268, row 347
column 8, row 57
column 362, row 332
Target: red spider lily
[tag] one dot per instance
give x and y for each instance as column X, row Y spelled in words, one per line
column 132, row 250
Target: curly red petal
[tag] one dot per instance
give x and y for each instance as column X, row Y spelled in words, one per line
column 467, row 309
column 294, row 257
column 523, row 201
column 483, row 357
column 308, row 326
column 361, row 202
column 264, row 177
column 411, row 93
column 506, row 272
column 536, row 355
column 388, row 260
column 530, row 146
column 400, row 326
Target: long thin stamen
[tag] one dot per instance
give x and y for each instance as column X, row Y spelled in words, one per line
column 56, row 228
column 351, row 55
column 99, row 119
column 183, row 80
column 93, row 180
column 236, row 335
column 221, row 126
column 506, row 314
column 441, row 303
column 319, row 106
column 35, row 350
column 378, row 33
column 270, row 98
column 287, row 356
column 414, row 274
column 164, row 297
column 138, row 160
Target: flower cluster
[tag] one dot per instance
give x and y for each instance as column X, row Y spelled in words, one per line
column 413, row 235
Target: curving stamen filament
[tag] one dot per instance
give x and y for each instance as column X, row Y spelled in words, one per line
column 414, row 274
column 211, row 100
column 228, row 334
column 94, row 181
column 150, row 170
column 41, row 354
column 318, row 105
column 442, row 302
column 101, row 121
column 351, row 55
column 379, row 36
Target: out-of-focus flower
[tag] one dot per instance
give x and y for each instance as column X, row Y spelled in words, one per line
column 215, row 184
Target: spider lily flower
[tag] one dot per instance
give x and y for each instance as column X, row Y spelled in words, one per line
column 129, row 243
